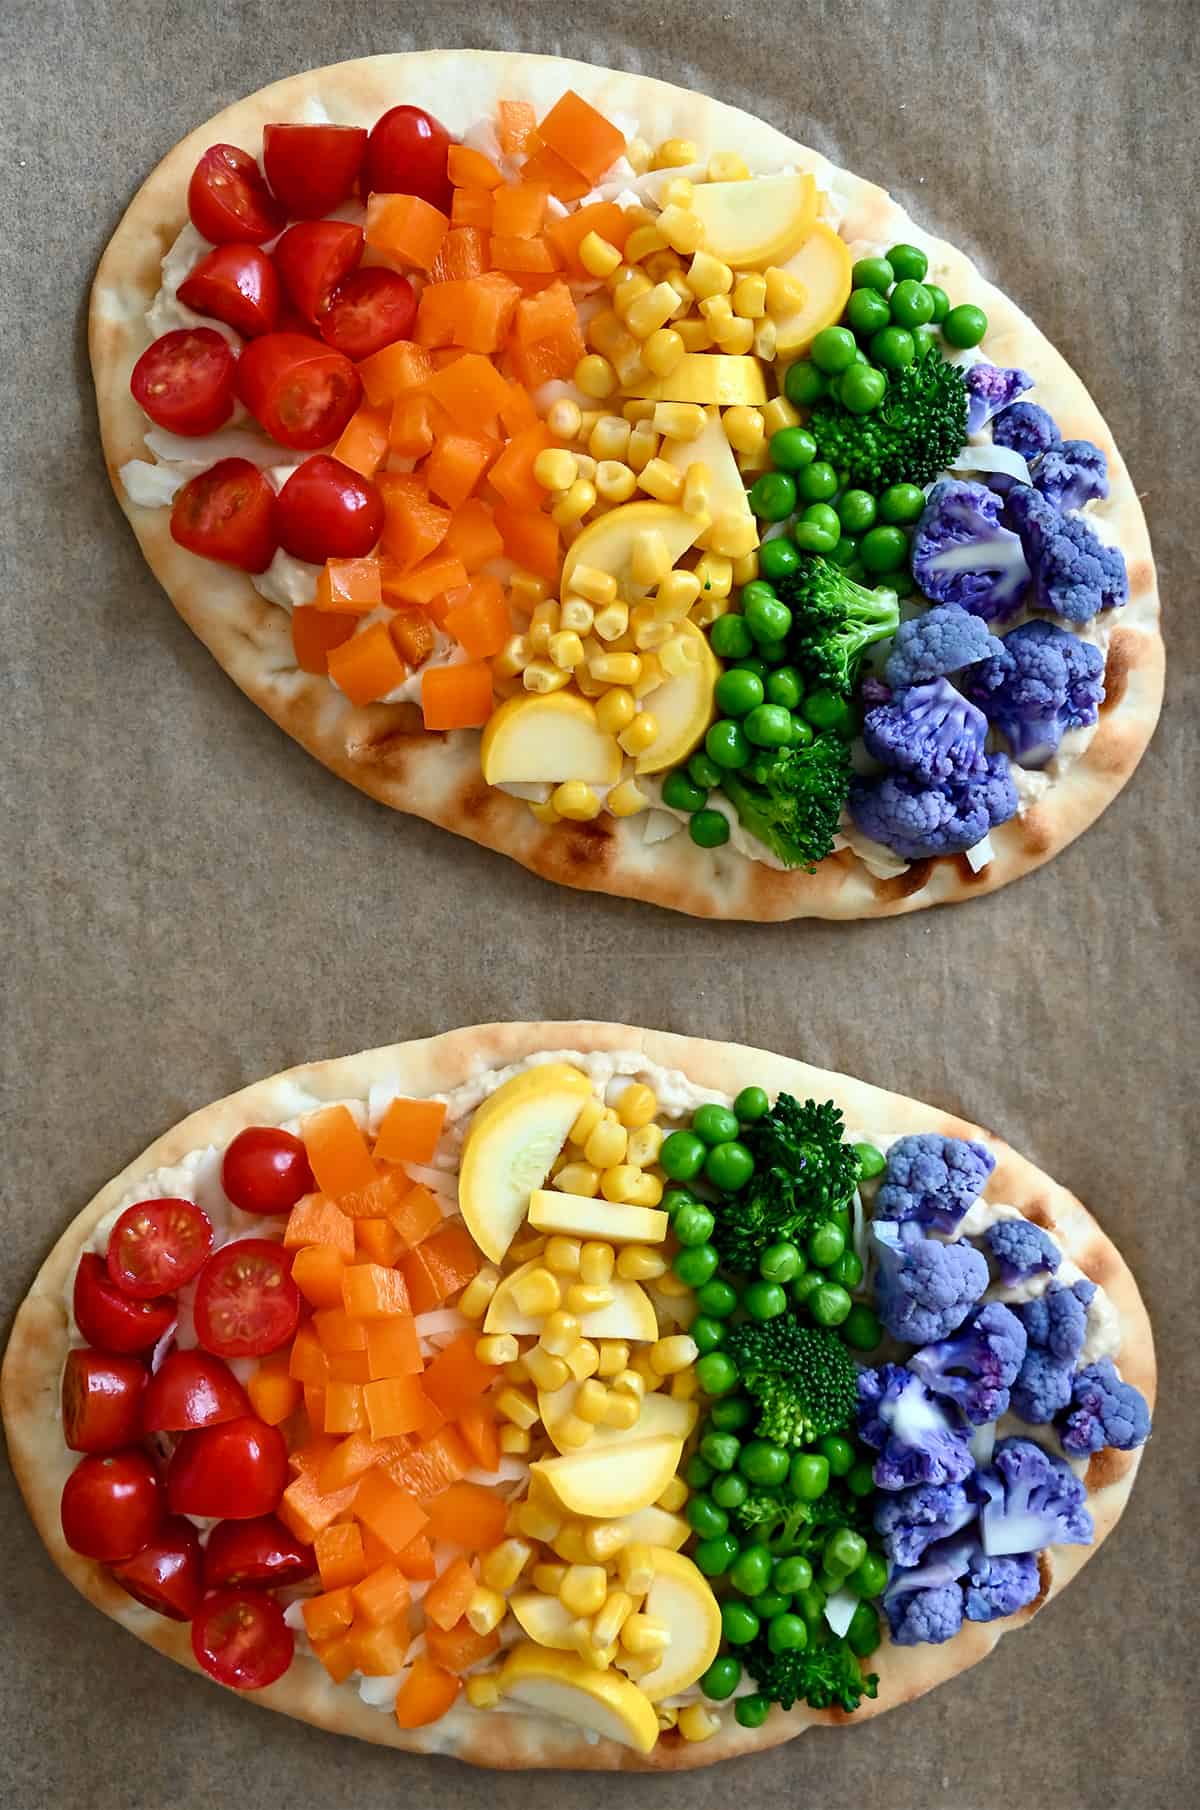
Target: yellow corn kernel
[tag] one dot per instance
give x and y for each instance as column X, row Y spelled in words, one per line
column 576, row 800
column 649, row 561
column 679, row 420
column 583, row 1589
column 743, row 428
column 614, row 1355
column 733, row 534
column 708, row 276
column 682, row 228
column 662, row 351
column 612, row 620
column 726, row 166
column 621, row 1410
column 596, row 1261
column 669, row 1356
column 543, row 676
column 625, row 286
column 676, row 593
column 644, row 1633
column 643, row 445
column 642, row 241
column 542, row 624
column 766, row 339
column 518, row 1407
column 583, row 1361
column 598, row 257
column 590, row 1400
column 637, row 1106
column 515, row 1441
column 580, row 1635
column 573, row 503
column 636, row 411
column 516, row 1371
column 563, row 418
column 785, row 293
column 586, row 1121
column 638, row 1263
column 648, row 312
column 641, row 1365
column 486, row 1609
column 635, row 1567
column 547, row 1577
column 607, row 440
column 685, row 1386
column 585, row 464
column 647, row 631
column 694, row 334
column 670, row 1285
column 482, row 1690
column 537, row 1293
column 639, row 1665
column 750, row 295
column 595, row 376
column 566, row 650
column 716, row 310
column 646, row 1191
column 560, row 1333
column 663, row 266
column 614, row 711
column 569, row 1544
column 573, row 1432
column 652, row 675
column 526, row 591
column 592, row 585
column 578, row 1178
column 615, row 669
column 696, row 1722
column 497, row 1348
column 674, row 154
column 697, row 490
column 674, row 1496
column 546, row 1371
column 537, row 1520
column 604, row 334
column 779, row 413
column 734, row 336
column 473, row 1301
column 611, row 1617
column 745, row 570
column 629, row 1382
column 576, row 613
column 641, row 734
column 562, row 1256
column 502, row 1565
column 513, row 657
column 665, row 484
column 555, row 469
column 587, row 1298
column 615, row 482
column 627, row 799
column 637, row 151
column 715, row 574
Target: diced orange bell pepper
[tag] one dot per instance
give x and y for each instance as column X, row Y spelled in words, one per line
column 417, row 1561
column 446, row 1600
column 349, row 1367
column 413, row 526
column 432, row 1421
column 467, row 168
column 589, row 142
column 308, row 1361
column 315, row 633
column 406, row 229
column 472, row 535
column 371, row 1292
column 546, row 315
column 274, row 1394
column 410, row 433
column 344, row 1411
column 382, row 1595
column 530, row 540
column 473, row 208
column 437, row 316
column 391, row 1512
column 317, row 1273
column 519, row 210
column 364, row 442
column 547, row 339
column 315, row 1219
column 328, row 1614
column 444, row 1262
column 483, row 312
column 478, row 616
column 393, row 1348
column 564, row 182
column 416, row 1216
column 338, row 1331
column 337, row 1656
column 394, row 1405
column 425, row 1472
column 378, row 1652
column 535, row 257
column 413, row 634
column 350, row 1459
column 426, row 1694
column 477, row 1424
column 409, row 1131
column 456, row 697
column 463, row 255
column 456, row 464
column 305, row 1509
column 314, row 1405
column 351, row 585
column 518, row 412
column 456, row 1376
column 512, row 474
column 604, row 218
column 377, row 1554
column 468, row 1514
column 306, row 1460
column 339, row 1555
column 337, row 1151
column 378, row 1241
column 368, row 666
column 515, row 121
column 395, row 371
column 460, row 1647
column 425, row 583
column 471, row 390
column 377, row 1199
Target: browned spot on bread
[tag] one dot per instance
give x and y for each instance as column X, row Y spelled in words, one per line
column 587, row 846
column 1038, row 1211
column 967, row 873
column 1141, row 577
column 1107, row 1466
column 1045, row 1581
column 1122, row 657
column 905, row 884
column 477, row 799
column 1037, row 833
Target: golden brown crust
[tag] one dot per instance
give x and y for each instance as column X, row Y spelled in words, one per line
column 33, row 1363
column 383, row 749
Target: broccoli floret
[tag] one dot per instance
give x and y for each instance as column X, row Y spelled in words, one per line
column 924, row 1289
column 933, row 1179
column 944, row 640
column 991, row 388
column 802, row 1378
column 1055, row 1327
column 962, row 552
column 786, row 1525
column 1030, row 1500
column 1072, row 474
column 976, row 1368
column 996, row 1587
column 917, row 1439
column 926, row 1603
column 792, row 800
column 1074, row 574
column 920, row 822
column 804, row 1172
column 930, row 731
column 1104, row 1411
column 825, row 1674
column 1020, row 1250
column 917, row 430
column 1040, row 681
column 910, row 1520
column 834, row 621
column 1027, row 428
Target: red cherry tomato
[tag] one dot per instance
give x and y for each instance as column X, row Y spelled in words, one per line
column 158, row 1245
column 227, row 513
column 266, row 1170
column 292, row 321
column 112, row 1505
column 192, row 1389
column 368, row 311
column 241, row 1639
column 110, row 1320
column 258, row 1552
column 166, row 1574
column 313, row 168
column 236, row 1470
column 229, row 200
column 327, row 511
column 101, row 1400
column 406, row 155
column 312, row 259
column 298, row 389
column 246, row 1301
column 236, row 284
column 185, row 381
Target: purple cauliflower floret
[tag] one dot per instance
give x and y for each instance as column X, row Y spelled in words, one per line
column 976, row 1368
column 933, row 1179
column 1055, row 1327
column 963, row 553
column 917, row 1440
column 1000, row 1586
column 930, row 731
column 1027, row 428
column 1031, row 1499
column 944, row 640
column 991, row 388
column 1074, row 574
column 919, row 822
column 1072, row 474
column 924, row 1289
column 926, row 1603
column 910, row 1520
column 1041, row 681
column 1020, row 1250
column 1104, row 1411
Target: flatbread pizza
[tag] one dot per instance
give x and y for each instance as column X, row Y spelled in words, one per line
column 576, row 1395
column 584, row 465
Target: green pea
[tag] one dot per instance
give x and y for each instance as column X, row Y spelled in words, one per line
column 720, row 1450
column 726, row 745
column 867, row 311
column 893, row 348
column 737, row 692
column 681, row 1156
column 730, row 638
column 694, row 1266
column 708, row 829
column 808, row 1478
column 680, row 793
column 810, row 1604
column 705, row 1518
column 821, row 515
column 729, row 1416
column 825, row 709
column 856, row 511
column 845, row 553
column 693, row 1224
column 752, row 1103
column 826, row 1243
column 777, row 558
column 810, row 538
column 769, row 726
column 786, row 687
column 780, row 1262
column 802, row 735
column 902, row 503
column 755, row 664
column 804, row 1286
column 770, row 1603
column 833, row 350
column 713, row 1123
column 750, row 1572
column 902, row 583
column 863, row 1636
column 837, row 1452
column 787, row 1633
column 752, row 1711
column 791, row 1574
column 941, row 302
column 730, row 1491
column 909, row 263
column 674, row 1198
column 729, row 1166
column 860, row 1479
column 869, row 1578
column 763, row 1463
column 884, row 549
column 792, row 448
column 757, row 591
column 764, row 1300
column 861, row 1329
column 722, row 1677
column 707, row 1333
column 716, row 1299
column 873, row 273
column 739, row 1623
column 829, row 1304
column 862, row 388
column 964, row 326
column 817, row 482
column 697, row 1474
column 715, row 1556
column 803, row 384
column 844, row 1552
column 927, row 340
column 846, row 1269
column 911, row 304
column 773, row 496
column 766, row 618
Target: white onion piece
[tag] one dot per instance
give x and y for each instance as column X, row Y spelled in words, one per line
column 981, row 854
column 161, row 1349
column 440, row 1320
column 660, row 826
column 509, row 1470
column 532, row 791
column 150, row 486
column 196, row 454
column 839, row 1610
column 440, row 1180
column 988, row 457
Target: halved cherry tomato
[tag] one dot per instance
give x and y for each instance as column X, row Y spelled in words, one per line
column 241, row 1639
column 112, row 1505
column 229, row 200
column 192, row 1389
column 111, row 1320
column 266, row 1170
column 165, row 1575
column 406, row 155
column 313, row 258
column 313, row 168
column 259, row 1552
column 300, row 390
column 236, row 1470
column 101, row 1400
column 292, row 321
column 227, row 513
column 367, row 311
column 246, row 1301
column 158, row 1245
column 327, row 511
column 185, row 381
column 236, row 284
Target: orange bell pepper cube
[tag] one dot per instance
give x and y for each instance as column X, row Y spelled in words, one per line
column 337, row 1656
column 457, row 463
column 548, row 341
column 456, row 1376
column 392, row 1513
column 378, row 1241
column 308, row 1362
column 377, row 1554
column 409, row 1131
column 337, row 1150
column 468, row 169
column 305, row 1509
column 393, row 1348
column 413, row 526
column 519, row 210
column 377, row 1199
column 478, row 616
column 460, row 1647
column 417, row 1561
column 350, row 1459
column 424, row 583
column 328, row 1614
column 471, row 390
column 381, row 1596
column 426, row 1471
column 518, row 412
column 444, row 1262
column 474, row 314
column 530, row 540
column 367, row 667
column 445, row 1602
column 512, row 474
column 344, row 1411
column 564, row 182
column 364, row 442
column 536, row 257
column 426, row 1694
column 478, row 1427
column 468, row 1514
column 317, row 1273
column 315, row 633
column 394, row 1405
column 463, row 255
column 395, row 371
column 589, row 142
column 546, row 315
column 604, row 218
column 471, row 208
column 315, row 1219
column 515, row 122
column 410, row 433
column 314, row 1405
column 413, row 635
column 339, row 1555
column 472, row 535
column 349, row 1367
column 337, row 1331
column 306, row 1460
column 378, row 1652
column 456, row 697
column 416, row 1216
column 406, row 229
column 274, row 1394
column 351, row 585
column 371, row 1292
